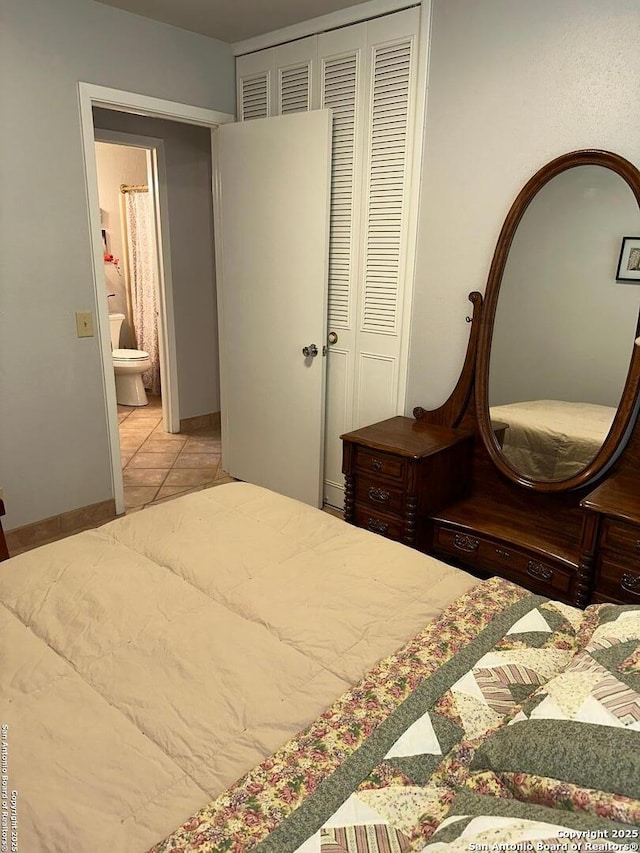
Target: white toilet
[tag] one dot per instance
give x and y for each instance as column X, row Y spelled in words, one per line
column 128, row 366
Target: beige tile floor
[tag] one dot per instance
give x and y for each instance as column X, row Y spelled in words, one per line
column 158, row 465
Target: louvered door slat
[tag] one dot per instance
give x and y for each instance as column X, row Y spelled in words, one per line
column 391, row 76
column 254, row 97
column 295, row 89
column 339, row 88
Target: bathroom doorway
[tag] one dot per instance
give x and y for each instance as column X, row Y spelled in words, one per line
column 183, row 181
column 157, row 463
column 127, row 191
column 137, row 272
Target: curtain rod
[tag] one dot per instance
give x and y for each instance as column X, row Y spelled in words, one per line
column 141, row 188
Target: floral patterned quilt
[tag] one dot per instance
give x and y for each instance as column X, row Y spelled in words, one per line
column 407, row 758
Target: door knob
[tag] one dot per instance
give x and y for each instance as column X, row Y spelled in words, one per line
column 333, row 337
column 310, row 352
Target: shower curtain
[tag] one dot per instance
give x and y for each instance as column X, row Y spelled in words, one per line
column 143, row 282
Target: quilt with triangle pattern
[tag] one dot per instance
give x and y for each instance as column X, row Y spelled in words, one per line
column 382, row 768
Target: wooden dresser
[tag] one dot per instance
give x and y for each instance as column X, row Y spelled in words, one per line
column 534, row 499
column 611, row 540
column 423, row 484
column 399, row 471
column 430, row 487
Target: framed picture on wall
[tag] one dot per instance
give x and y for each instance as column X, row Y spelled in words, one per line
column 629, row 261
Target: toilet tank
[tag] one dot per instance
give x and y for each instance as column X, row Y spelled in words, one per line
column 115, row 323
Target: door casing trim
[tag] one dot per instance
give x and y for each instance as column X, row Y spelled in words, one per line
column 89, row 96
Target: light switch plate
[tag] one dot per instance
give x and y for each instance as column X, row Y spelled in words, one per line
column 84, row 324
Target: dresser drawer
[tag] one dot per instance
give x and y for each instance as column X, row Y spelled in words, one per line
column 617, row 579
column 373, row 462
column 458, row 544
column 621, row 536
column 378, row 495
column 491, row 556
column 376, row 522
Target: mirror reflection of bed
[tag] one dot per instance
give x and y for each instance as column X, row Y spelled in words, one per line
column 552, row 439
column 564, row 327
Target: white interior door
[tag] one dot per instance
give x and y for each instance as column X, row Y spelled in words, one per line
column 272, row 233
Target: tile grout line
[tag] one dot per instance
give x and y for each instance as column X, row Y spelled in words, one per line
column 183, row 488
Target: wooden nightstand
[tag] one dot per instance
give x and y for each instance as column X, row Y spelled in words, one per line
column 611, row 540
column 400, row 470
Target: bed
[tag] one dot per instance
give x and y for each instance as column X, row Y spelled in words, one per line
column 233, row 670
column 552, row 439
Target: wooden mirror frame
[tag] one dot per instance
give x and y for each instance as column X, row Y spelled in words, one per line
column 628, row 405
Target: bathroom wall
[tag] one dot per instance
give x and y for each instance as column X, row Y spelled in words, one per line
column 54, row 445
column 117, row 164
column 187, row 150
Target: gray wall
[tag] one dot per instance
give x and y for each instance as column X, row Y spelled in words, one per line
column 188, row 160
column 53, row 433
column 564, row 327
column 512, row 84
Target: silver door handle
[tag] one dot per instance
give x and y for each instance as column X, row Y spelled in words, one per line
column 310, row 352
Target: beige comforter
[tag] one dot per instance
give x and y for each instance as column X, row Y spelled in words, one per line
column 148, row 664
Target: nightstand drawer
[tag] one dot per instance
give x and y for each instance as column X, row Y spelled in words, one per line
column 373, row 462
column 392, row 528
column 379, row 496
column 621, row 536
column 618, row 579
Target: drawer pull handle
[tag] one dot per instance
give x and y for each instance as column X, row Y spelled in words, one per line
column 630, row 583
column 377, row 526
column 539, row 570
column 465, row 543
column 505, row 554
column 378, row 495
column 376, row 464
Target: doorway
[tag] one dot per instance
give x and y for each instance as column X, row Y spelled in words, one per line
column 127, row 167
column 123, row 102
column 132, row 265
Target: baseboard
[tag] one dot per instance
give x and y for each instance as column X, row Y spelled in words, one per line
column 211, row 421
column 58, row 526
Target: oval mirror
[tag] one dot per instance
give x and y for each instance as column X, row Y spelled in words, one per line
column 557, row 367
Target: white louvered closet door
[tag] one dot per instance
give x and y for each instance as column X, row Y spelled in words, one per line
column 391, row 75
column 342, row 53
column 368, row 241
column 278, row 81
column 366, row 75
column 254, row 85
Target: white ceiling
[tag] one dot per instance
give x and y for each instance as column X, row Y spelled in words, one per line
column 231, row 20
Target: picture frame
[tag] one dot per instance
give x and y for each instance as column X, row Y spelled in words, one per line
column 629, row 260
